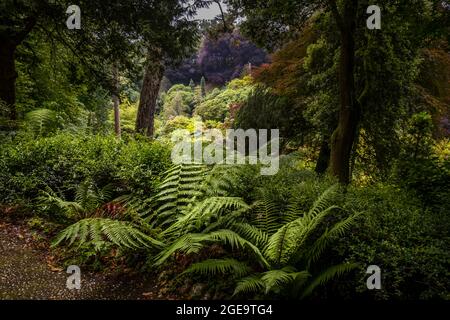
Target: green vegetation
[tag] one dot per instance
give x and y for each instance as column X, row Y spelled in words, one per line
column 364, row 177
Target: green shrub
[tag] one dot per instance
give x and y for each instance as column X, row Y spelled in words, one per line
column 408, row 243
column 64, row 161
column 423, row 168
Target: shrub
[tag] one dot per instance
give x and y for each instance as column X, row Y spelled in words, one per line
column 408, row 243
column 64, row 161
column 217, row 104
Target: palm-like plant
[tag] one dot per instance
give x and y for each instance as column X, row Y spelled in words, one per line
column 287, row 250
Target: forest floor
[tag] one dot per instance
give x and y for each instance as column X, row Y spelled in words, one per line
column 28, row 271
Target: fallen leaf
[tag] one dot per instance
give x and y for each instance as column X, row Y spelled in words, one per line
column 54, row 269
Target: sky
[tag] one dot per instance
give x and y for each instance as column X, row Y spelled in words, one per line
column 210, row 13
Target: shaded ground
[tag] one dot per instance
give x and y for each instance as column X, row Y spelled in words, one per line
column 27, row 272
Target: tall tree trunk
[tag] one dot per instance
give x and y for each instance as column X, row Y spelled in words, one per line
column 349, row 114
column 149, row 94
column 324, row 156
column 9, row 40
column 8, row 76
column 116, row 102
column 116, row 115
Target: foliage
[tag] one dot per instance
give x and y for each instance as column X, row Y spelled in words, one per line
column 100, row 231
column 281, row 243
column 88, row 200
column 216, row 105
column 419, row 168
column 265, row 110
column 64, row 161
column 407, row 241
column 219, row 59
column 178, row 101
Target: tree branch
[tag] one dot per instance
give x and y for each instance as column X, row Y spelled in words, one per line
column 225, row 27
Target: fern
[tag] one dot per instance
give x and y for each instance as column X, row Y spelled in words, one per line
column 281, row 248
column 252, row 233
column 219, row 266
column 339, row 229
column 187, row 244
column 205, row 211
column 267, row 215
column 41, row 121
column 178, row 190
column 251, row 284
column 327, row 275
column 87, row 203
column 281, row 278
column 94, row 230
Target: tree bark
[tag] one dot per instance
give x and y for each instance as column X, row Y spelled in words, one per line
column 8, row 76
column 116, row 102
column 324, row 157
column 116, row 115
column 149, row 94
column 9, row 40
column 349, row 114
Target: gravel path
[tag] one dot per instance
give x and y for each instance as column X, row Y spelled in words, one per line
column 26, row 272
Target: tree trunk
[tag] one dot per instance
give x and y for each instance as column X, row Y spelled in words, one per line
column 116, row 102
column 8, row 76
column 149, row 94
column 9, row 40
column 324, row 157
column 116, row 115
column 349, row 114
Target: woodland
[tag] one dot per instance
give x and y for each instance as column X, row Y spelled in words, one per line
column 87, row 118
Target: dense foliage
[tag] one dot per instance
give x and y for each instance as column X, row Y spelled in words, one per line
column 89, row 120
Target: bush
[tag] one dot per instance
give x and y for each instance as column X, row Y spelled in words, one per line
column 64, row 161
column 217, row 104
column 424, row 168
column 408, row 243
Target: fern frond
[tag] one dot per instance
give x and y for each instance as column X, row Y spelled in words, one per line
column 205, row 211
column 180, row 187
column 327, row 275
column 213, row 267
column 120, row 233
column 236, row 241
column 283, row 277
column 267, row 215
column 48, row 197
column 281, row 243
column 251, row 233
column 324, row 201
column 338, row 230
column 251, row 284
column 41, row 121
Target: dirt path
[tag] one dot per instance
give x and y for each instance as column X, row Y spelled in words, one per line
column 25, row 273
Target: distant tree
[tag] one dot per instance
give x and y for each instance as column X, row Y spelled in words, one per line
column 221, row 58
column 165, row 85
column 179, row 100
column 203, row 87
column 216, row 105
column 192, row 84
column 224, row 58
